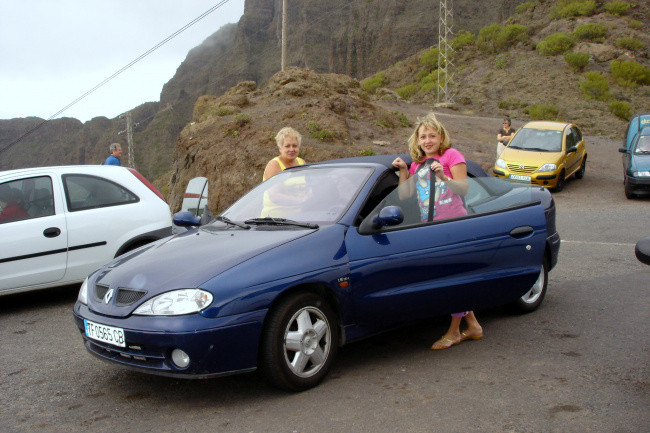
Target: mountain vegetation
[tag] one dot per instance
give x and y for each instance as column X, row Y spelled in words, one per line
column 581, row 60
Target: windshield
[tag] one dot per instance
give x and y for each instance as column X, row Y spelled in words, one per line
column 311, row 194
column 643, row 145
column 541, row 140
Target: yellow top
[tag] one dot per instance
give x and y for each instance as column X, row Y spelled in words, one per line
column 295, row 187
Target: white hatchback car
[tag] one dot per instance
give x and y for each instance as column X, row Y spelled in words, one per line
column 59, row 224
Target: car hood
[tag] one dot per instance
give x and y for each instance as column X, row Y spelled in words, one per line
column 183, row 261
column 640, row 162
column 529, row 157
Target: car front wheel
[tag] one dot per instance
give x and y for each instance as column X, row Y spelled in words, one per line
column 534, row 297
column 299, row 342
column 628, row 191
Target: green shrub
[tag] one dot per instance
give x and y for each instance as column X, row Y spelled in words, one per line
column 629, row 44
column 500, row 62
column 542, row 112
column 554, row 44
column 525, row 7
column 617, row 8
column 430, row 59
column 595, row 86
column 463, row 39
column 487, row 37
column 494, row 39
column 431, row 77
column 510, row 104
column 574, row 8
column 511, row 35
column 405, row 92
column 595, row 32
column 635, row 25
column 367, row 152
column 630, row 74
column 318, row 132
column 242, row 119
column 224, row 111
column 621, row 109
column 577, row 61
column 402, row 119
column 371, row 84
column 428, row 87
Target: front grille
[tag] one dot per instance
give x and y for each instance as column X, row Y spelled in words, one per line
column 124, row 296
column 100, row 291
column 128, row 296
column 517, row 168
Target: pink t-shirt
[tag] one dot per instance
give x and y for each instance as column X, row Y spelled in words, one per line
column 447, row 203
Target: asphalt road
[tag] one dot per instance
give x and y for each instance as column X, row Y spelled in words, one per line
column 578, row 364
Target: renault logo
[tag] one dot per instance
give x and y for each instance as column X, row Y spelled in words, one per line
column 108, row 296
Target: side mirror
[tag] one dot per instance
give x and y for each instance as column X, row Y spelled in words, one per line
column 572, row 149
column 622, row 149
column 387, row 216
column 642, row 250
column 196, row 196
column 186, row 218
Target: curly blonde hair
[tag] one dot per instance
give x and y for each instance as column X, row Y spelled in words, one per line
column 430, row 121
column 287, row 131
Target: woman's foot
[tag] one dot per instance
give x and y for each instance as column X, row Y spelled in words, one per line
column 445, row 343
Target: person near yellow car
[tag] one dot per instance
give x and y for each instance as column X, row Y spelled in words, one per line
column 544, row 153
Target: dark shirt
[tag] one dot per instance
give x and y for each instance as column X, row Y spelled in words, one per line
column 509, row 131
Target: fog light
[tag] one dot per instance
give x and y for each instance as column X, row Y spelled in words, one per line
column 180, row 358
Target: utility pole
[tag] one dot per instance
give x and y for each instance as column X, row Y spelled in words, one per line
column 284, row 34
column 129, row 138
column 445, row 52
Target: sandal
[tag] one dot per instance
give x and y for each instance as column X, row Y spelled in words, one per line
column 444, row 339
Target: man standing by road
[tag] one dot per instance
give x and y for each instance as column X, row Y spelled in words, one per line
column 114, row 157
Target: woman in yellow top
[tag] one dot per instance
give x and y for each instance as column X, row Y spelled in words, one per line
column 284, row 199
column 288, row 140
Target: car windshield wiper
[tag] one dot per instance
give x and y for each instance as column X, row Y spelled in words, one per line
column 224, row 219
column 536, row 149
column 280, row 222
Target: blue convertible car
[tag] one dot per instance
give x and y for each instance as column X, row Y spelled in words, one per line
column 312, row 259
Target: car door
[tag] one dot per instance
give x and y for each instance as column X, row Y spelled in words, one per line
column 415, row 270
column 572, row 137
column 34, row 247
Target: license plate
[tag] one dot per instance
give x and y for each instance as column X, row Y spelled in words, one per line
column 106, row 334
column 518, row 177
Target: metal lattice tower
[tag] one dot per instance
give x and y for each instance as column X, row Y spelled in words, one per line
column 445, row 52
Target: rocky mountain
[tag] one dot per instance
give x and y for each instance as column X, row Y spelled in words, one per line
column 354, row 37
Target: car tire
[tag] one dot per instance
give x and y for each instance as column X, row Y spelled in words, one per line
column 535, row 296
column 559, row 186
column 581, row 173
column 299, row 342
column 628, row 192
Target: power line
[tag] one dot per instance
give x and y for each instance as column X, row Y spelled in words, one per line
column 142, row 56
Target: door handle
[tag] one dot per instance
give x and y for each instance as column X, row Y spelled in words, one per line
column 52, row 232
column 521, row 232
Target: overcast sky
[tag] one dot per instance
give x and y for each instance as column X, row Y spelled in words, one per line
column 54, row 51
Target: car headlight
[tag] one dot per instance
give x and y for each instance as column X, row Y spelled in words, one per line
column 501, row 163
column 641, row 173
column 176, row 303
column 83, row 293
column 547, row 167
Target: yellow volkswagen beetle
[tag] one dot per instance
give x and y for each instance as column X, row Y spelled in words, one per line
column 544, row 153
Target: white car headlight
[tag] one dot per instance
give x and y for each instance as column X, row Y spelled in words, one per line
column 176, row 303
column 83, row 293
column 641, row 173
column 547, row 167
column 501, row 163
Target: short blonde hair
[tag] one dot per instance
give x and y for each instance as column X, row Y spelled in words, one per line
column 430, row 121
column 287, row 131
